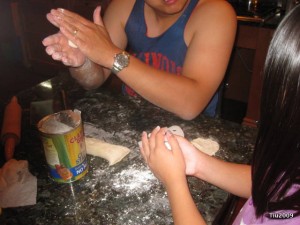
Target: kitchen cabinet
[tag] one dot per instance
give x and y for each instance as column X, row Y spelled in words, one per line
column 262, row 39
column 32, row 27
column 245, row 84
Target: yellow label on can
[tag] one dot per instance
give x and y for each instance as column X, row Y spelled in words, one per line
column 66, row 154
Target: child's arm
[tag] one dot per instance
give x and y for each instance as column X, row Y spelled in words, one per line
column 232, row 177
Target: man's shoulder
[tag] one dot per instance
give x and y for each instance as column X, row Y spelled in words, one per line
column 120, row 8
column 121, row 5
column 220, row 10
column 210, row 7
column 208, row 17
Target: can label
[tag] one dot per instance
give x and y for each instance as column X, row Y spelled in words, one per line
column 65, row 153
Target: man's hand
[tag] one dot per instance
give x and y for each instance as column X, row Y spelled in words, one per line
column 58, row 47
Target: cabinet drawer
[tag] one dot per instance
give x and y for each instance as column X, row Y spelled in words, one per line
column 247, row 37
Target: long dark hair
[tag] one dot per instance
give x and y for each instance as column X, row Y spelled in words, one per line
column 276, row 160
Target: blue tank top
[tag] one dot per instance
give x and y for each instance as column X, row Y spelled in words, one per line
column 165, row 52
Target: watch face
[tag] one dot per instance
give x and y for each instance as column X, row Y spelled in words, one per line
column 121, row 61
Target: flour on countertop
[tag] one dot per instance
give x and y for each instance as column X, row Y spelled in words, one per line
column 133, row 180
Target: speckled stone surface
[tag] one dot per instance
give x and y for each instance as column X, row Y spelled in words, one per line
column 127, row 192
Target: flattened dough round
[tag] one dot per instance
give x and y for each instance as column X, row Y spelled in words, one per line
column 207, row 146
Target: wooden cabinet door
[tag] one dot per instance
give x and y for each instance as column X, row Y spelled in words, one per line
column 34, row 26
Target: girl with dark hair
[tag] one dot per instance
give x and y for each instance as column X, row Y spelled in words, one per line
column 272, row 183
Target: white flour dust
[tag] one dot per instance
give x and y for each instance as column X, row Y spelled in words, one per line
column 133, row 180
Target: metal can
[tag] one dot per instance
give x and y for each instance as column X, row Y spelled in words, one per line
column 64, row 145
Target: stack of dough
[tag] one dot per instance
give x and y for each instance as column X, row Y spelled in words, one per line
column 112, row 153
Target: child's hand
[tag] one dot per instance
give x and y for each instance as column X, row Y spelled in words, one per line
column 191, row 155
column 167, row 165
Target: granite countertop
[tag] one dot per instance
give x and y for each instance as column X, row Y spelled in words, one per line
column 127, row 192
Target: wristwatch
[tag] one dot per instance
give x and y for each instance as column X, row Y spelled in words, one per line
column 121, row 60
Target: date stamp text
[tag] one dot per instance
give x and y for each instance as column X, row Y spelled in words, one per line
column 281, row 215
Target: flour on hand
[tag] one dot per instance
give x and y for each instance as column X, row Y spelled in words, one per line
column 71, row 44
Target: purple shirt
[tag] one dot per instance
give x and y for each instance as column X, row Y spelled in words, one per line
column 284, row 217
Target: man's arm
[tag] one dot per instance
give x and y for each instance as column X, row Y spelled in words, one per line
column 209, row 35
column 91, row 75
